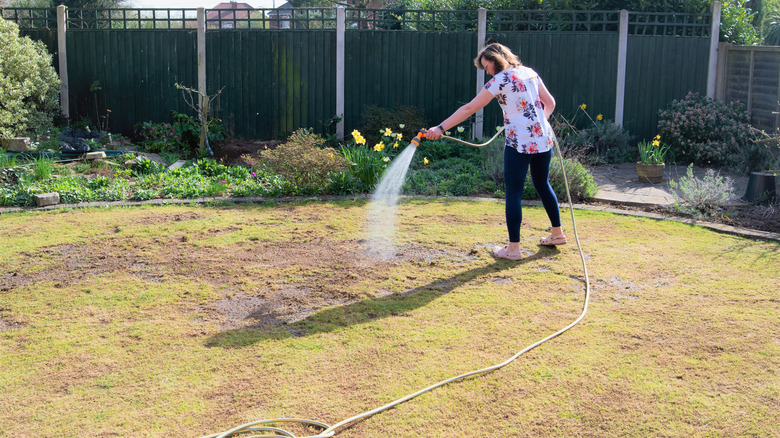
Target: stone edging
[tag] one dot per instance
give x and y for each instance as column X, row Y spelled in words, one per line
column 728, row 229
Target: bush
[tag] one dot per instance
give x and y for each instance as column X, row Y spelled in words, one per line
column 705, row 132
column 29, row 86
column 378, row 119
column 701, row 197
column 600, row 141
column 302, row 161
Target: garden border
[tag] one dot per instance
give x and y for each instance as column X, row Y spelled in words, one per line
column 726, row 229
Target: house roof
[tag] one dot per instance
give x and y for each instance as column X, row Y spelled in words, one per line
column 226, row 11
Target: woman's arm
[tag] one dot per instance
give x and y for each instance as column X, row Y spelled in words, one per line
column 547, row 100
column 483, row 98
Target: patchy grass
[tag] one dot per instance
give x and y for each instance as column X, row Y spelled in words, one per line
column 185, row 321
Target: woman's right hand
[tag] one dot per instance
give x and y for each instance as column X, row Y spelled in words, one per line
column 433, row 133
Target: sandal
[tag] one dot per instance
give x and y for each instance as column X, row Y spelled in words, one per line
column 502, row 253
column 552, row 241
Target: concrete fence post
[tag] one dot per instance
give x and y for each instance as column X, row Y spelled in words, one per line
column 62, row 55
column 203, row 94
column 477, row 132
column 712, row 71
column 620, row 87
column 341, row 15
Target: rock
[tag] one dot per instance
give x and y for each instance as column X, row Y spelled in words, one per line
column 45, row 199
column 17, row 144
column 177, row 164
column 95, row 155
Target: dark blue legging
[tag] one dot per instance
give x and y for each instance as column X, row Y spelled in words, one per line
column 515, row 169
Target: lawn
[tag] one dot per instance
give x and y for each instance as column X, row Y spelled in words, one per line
column 183, row 321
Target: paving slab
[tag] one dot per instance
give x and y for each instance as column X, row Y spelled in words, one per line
column 619, row 183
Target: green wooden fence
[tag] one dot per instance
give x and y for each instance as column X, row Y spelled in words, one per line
column 275, row 80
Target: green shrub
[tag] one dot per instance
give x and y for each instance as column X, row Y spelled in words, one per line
column 378, row 119
column 701, row 197
column 704, row 131
column 29, row 86
column 302, row 161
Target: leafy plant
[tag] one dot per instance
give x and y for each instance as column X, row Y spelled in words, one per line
column 704, row 131
column 302, row 161
column 652, row 152
column 701, row 197
column 599, row 141
column 408, row 119
column 29, row 85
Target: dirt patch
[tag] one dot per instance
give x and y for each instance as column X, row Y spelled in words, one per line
column 237, row 151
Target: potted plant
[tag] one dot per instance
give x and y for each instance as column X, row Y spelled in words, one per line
column 650, row 167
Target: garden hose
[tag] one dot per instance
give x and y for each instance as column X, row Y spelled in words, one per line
column 329, row 431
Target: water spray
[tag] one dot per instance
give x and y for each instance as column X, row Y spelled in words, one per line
column 329, row 431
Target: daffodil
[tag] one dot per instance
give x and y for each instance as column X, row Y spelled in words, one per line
column 386, row 159
column 400, row 136
column 583, row 106
column 425, row 160
column 599, row 117
column 461, row 129
column 656, row 142
column 658, row 137
column 402, row 126
column 395, row 145
column 447, row 133
column 388, row 132
column 378, row 147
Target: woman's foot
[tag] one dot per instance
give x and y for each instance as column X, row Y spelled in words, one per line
column 504, row 253
column 553, row 240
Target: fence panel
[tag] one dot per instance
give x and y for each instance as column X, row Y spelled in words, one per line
column 577, row 68
column 385, row 68
column 135, row 72
column 659, row 70
column 273, row 81
column 753, row 78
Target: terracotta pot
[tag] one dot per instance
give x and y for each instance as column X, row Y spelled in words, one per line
column 650, row 173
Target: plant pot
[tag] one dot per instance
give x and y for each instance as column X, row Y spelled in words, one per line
column 650, row 173
column 761, row 188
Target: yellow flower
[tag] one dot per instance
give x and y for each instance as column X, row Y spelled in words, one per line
column 388, row 132
column 447, row 133
column 599, row 117
column 360, row 140
column 400, row 136
column 355, row 133
column 656, row 142
column 425, row 160
column 395, row 145
column 461, row 129
column 658, row 137
column 583, row 106
column 378, row 147
column 331, row 156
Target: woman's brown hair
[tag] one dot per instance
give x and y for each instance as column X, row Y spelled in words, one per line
column 500, row 55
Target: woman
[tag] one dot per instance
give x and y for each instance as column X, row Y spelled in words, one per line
column 528, row 138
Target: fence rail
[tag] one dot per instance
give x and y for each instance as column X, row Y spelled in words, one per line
column 640, row 23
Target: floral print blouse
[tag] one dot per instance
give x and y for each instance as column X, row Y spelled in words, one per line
column 525, row 127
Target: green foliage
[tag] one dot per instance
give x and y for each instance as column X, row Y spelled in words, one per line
column 704, row 131
column 736, row 24
column 652, row 152
column 180, row 137
column 302, row 161
column 29, row 86
column 42, row 168
column 701, row 197
column 408, row 120
column 599, row 141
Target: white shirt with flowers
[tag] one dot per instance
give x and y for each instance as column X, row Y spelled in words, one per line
column 525, row 127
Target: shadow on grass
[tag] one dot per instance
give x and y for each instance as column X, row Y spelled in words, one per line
column 360, row 312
